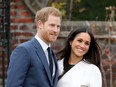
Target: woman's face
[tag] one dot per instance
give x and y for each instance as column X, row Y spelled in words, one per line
column 80, row 45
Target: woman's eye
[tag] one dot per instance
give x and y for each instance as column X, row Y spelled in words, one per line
column 87, row 43
column 79, row 40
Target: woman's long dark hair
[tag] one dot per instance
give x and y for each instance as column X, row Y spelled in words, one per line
column 94, row 53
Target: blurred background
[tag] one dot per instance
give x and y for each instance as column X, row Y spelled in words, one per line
column 17, row 25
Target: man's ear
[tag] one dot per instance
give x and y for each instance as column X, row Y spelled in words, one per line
column 40, row 24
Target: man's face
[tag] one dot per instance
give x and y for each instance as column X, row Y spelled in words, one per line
column 50, row 29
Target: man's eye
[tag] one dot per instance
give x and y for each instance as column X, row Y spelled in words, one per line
column 52, row 25
column 58, row 26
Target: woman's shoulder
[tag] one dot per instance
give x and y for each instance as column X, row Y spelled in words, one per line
column 60, row 61
column 93, row 66
column 60, row 66
column 90, row 67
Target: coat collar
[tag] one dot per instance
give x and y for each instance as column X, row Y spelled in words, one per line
column 41, row 54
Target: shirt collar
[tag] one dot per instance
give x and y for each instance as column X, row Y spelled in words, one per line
column 42, row 43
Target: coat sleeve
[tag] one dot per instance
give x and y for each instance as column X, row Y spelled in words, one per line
column 94, row 76
column 18, row 67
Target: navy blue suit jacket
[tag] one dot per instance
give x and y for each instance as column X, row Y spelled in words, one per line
column 28, row 67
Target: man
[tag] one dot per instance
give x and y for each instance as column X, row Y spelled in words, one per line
column 29, row 62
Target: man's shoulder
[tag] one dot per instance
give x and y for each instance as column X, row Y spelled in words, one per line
column 26, row 44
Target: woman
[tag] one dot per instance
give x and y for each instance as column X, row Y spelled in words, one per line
column 79, row 64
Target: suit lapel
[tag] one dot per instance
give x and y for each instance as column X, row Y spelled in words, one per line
column 55, row 79
column 42, row 57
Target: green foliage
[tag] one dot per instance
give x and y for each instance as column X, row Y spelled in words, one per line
column 85, row 9
column 60, row 6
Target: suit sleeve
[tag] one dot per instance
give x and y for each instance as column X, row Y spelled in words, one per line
column 18, row 67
